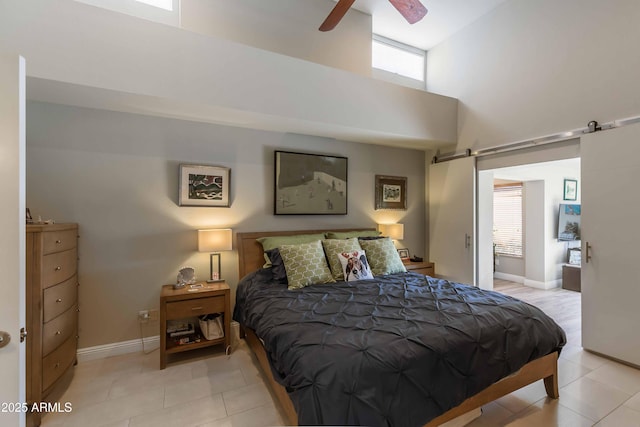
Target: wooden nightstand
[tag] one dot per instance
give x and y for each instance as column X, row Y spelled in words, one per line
column 427, row 268
column 188, row 303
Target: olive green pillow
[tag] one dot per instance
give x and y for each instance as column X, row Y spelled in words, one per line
column 350, row 234
column 333, row 247
column 382, row 256
column 273, row 242
column 305, row 264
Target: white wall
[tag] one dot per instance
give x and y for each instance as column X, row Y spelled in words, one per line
column 129, row 64
column 289, row 27
column 534, row 233
column 116, row 175
column 533, row 68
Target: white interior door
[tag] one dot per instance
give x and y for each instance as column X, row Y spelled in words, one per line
column 452, row 189
column 610, row 212
column 12, row 243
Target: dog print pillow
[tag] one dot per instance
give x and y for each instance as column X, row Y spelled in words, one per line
column 355, row 266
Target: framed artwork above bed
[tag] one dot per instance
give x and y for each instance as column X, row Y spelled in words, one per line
column 310, row 184
column 391, row 192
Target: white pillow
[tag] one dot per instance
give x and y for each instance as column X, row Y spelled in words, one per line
column 355, row 266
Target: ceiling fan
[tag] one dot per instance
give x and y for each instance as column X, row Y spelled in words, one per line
column 412, row 10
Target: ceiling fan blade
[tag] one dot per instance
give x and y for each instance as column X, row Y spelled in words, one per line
column 336, row 15
column 412, row 10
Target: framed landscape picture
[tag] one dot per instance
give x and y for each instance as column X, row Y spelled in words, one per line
column 202, row 185
column 391, row 192
column 310, row 184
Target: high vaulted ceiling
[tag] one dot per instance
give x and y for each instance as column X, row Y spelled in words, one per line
column 445, row 17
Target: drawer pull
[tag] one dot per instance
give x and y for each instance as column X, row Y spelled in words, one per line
column 59, row 300
column 58, row 332
column 58, row 241
column 58, row 268
column 56, row 366
column 196, row 308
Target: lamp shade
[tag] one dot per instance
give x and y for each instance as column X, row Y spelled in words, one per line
column 214, row 240
column 393, row 231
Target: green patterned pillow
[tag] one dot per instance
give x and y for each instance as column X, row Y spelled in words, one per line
column 383, row 256
column 350, row 234
column 273, row 242
column 305, row 264
column 333, row 247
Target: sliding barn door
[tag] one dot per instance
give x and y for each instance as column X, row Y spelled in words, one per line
column 611, row 234
column 452, row 219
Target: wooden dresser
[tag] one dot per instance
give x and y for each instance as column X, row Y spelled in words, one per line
column 52, row 311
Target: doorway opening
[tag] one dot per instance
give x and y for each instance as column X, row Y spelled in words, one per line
column 518, row 212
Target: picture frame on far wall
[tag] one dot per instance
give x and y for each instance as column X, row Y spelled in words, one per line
column 391, row 192
column 570, row 189
column 310, row 184
column 204, row 185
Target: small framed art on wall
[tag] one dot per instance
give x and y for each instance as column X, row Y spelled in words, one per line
column 202, row 185
column 391, row 192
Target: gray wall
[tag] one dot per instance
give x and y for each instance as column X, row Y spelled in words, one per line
column 116, row 174
column 288, row 27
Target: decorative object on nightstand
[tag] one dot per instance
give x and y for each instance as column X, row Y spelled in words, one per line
column 180, row 312
column 392, row 231
column 215, row 240
column 404, row 254
column 421, row 267
column 186, row 276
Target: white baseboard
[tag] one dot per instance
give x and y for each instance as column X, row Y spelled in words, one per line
column 509, row 277
column 117, row 348
column 543, row 285
column 528, row 282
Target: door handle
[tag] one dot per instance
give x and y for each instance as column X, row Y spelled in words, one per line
column 587, row 252
column 5, row 338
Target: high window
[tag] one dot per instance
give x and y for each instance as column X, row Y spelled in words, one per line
column 398, row 58
column 507, row 219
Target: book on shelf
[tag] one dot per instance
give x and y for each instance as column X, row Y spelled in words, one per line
column 176, row 326
column 190, row 339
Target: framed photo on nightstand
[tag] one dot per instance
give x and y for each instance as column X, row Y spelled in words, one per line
column 404, row 254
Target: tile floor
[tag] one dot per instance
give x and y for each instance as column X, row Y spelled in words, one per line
column 217, row 390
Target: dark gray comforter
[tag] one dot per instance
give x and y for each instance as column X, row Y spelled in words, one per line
column 398, row 350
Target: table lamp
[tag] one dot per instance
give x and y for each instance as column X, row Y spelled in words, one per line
column 215, row 241
column 393, row 231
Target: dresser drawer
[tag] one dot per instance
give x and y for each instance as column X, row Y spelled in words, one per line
column 58, row 241
column 58, row 267
column 56, row 331
column 56, row 363
column 195, row 307
column 59, row 298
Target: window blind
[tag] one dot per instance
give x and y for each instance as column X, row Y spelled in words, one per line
column 507, row 219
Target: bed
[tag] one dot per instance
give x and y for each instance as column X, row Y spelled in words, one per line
column 402, row 349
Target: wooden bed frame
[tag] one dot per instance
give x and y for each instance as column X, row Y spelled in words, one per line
column 251, row 258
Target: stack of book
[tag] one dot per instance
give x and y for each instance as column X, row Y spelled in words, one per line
column 182, row 332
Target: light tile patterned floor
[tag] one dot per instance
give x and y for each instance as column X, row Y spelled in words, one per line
column 217, row 390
